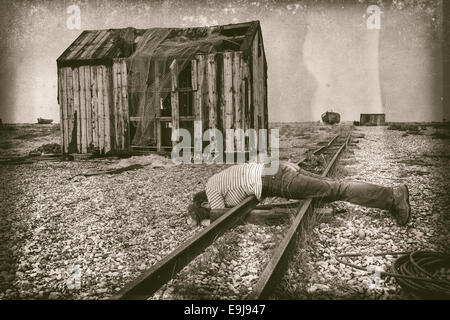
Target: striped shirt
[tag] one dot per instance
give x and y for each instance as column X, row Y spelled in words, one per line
column 231, row 186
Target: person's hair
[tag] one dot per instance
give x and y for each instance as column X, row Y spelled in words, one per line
column 195, row 210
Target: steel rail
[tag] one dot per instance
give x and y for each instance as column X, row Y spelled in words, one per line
column 159, row 274
column 274, row 269
column 318, row 149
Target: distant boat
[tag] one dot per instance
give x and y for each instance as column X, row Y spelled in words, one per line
column 330, row 117
column 44, row 121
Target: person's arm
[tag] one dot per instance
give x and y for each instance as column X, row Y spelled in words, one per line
column 216, row 203
column 215, row 199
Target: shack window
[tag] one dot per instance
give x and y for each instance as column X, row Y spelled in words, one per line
column 166, row 106
column 185, row 100
column 184, row 77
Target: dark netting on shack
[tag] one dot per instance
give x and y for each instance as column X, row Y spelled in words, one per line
column 159, row 68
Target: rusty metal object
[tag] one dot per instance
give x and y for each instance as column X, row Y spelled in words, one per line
column 318, row 150
column 330, row 117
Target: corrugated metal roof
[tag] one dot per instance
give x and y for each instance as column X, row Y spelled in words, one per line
column 91, row 45
column 100, row 46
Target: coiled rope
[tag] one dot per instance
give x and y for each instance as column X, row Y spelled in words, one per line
column 415, row 271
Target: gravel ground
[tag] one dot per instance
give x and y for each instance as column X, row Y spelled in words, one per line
column 54, row 231
column 105, row 229
column 386, row 157
column 229, row 267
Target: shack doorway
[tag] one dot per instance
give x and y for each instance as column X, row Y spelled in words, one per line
column 166, row 134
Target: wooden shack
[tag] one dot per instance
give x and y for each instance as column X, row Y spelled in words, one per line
column 222, row 84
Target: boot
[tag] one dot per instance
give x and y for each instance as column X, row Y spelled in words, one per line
column 401, row 210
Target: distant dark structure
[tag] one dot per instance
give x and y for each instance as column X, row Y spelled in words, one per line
column 372, row 119
column 331, row 117
column 44, row 121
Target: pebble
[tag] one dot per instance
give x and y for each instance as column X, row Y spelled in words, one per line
column 102, row 290
column 53, row 295
column 142, row 266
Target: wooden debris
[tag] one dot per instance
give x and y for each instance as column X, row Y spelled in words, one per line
column 110, row 171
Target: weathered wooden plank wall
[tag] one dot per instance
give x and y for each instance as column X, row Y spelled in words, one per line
column 262, row 84
column 70, row 112
column 255, row 82
column 106, row 111
column 125, row 107
column 157, row 104
column 94, row 108
column 88, row 105
column 94, row 99
column 174, row 99
column 246, row 95
column 120, row 105
column 82, row 103
column 60, row 98
column 100, row 110
column 227, row 103
column 63, row 107
column 227, row 92
column 212, row 94
column 259, row 92
column 237, row 89
column 76, row 120
column 117, row 102
column 201, row 95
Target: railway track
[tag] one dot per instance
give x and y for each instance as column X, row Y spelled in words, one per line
column 151, row 280
column 319, row 150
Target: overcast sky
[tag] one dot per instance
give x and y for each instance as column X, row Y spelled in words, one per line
column 320, row 57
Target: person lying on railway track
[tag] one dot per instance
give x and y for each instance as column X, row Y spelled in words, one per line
column 231, row 186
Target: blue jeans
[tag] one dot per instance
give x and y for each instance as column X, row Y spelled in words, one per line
column 287, row 183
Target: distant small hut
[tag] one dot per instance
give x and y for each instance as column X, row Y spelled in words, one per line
column 372, row 119
column 120, row 89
